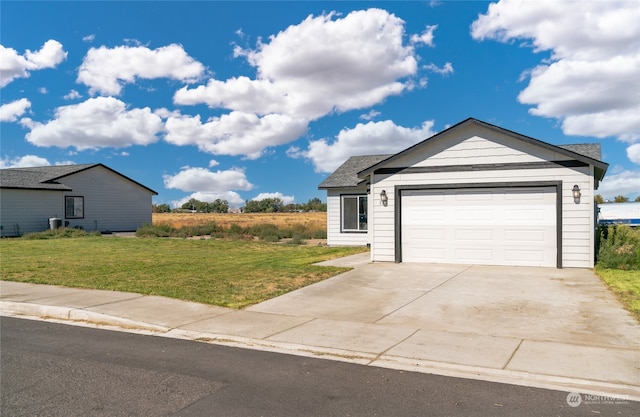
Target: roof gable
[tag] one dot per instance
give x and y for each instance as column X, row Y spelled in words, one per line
column 49, row 177
column 574, row 152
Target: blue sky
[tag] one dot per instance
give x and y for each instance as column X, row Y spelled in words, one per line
column 248, row 100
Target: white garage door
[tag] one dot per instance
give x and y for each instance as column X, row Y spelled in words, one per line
column 486, row 226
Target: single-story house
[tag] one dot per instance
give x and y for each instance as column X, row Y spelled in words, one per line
column 474, row 193
column 93, row 197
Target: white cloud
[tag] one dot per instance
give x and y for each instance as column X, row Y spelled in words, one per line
column 321, row 65
column 72, row 95
column 286, row 199
column 595, row 59
column 165, row 113
column 324, row 64
column 11, row 111
column 231, row 197
column 235, row 133
column 25, row 161
column 370, row 116
column 633, row 153
column 13, row 65
column 213, row 163
column 383, row 137
column 625, row 183
column 105, row 70
column 99, row 122
column 425, row 37
column 201, row 179
column 43, row 90
column 445, row 70
column 89, row 38
column 208, row 185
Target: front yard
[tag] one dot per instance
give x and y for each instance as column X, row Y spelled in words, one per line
column 220, row 272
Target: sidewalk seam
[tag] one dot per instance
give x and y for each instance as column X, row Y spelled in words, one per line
column 290, row 328
column 512, row 354
column 379, row 355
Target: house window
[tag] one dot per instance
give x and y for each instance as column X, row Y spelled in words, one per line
column 74, row 207
column 354, row 213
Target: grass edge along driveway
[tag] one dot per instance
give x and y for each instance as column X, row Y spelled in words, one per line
column 225, row 273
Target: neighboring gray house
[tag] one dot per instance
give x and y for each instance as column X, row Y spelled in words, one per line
column 472, row 194
column 91, row 196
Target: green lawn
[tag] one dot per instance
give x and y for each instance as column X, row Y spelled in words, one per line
column 626, row 285
column 225, row 273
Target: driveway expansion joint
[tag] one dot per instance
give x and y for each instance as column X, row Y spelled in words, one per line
column 379, row 355
column 513, row 354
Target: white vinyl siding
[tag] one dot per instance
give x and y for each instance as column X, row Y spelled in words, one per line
column 28, row 211
column 111, row 202
column 335, row 235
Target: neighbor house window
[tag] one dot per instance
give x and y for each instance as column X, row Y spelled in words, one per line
column 74, row 207
column 354, row 213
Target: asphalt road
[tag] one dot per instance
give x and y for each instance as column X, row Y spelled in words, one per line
column 50, row 369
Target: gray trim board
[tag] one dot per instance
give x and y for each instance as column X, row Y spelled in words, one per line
column 481, row 167
column 398, row 189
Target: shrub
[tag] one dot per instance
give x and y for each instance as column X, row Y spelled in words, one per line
column 319, row 234
column 198, row 230
column 619, row 247
column 154, row 230
column 266, row 232
column 64, row 232
column 297, row 239
column 236, row 229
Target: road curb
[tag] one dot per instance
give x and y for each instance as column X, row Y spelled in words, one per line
column 80, row 317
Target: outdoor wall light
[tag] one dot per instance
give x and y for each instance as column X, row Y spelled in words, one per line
column 576, row 194
column 384, row 199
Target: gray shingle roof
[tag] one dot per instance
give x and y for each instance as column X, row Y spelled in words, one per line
column 592, row 150
column 39, row 178
column 46, row 178
column 346, row 175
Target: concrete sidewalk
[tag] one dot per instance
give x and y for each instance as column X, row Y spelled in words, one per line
column 424, row 318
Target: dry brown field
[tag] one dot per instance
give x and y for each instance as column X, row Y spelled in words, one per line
column 312, row 221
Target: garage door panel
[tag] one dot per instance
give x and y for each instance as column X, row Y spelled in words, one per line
column 471, row 215
column 471, row 255
column 474, row 235
column 514, row 236
column 519, row 256
column 433, row 251
column 495, row 227
column 474, row 196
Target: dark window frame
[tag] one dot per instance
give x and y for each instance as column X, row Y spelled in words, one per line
column 363, row 216
column 74, row 211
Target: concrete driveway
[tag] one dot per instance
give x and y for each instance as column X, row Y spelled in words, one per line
column 538, row 320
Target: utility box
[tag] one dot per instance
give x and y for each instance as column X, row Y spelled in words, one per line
column 55, row 223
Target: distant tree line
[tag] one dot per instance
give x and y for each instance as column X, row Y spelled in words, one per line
column 217, row 206
column 267, row 205
column 617, row 199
